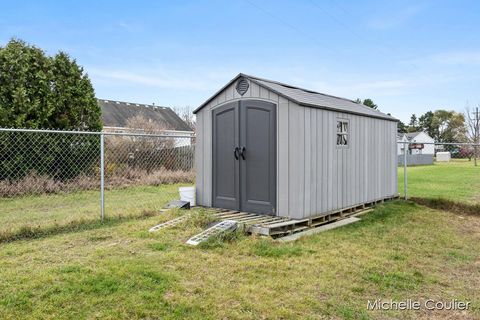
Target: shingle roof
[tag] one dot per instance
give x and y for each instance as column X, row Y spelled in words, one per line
column 117, row 113
column 310, row 98
column 411, row 135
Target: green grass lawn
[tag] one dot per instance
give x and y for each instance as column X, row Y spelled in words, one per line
column 64, row 209
column 457, row 180
column 120, row 271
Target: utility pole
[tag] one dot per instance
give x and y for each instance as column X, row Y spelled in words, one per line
column 476, row 134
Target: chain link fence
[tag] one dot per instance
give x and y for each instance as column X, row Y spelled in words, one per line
column 56, row 178
column 440, row 173
column 51, row 179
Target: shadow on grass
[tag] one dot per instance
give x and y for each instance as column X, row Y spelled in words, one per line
column 34, row 232
column 448, row 205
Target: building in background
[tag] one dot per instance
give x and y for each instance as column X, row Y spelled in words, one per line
column 128, row 117
column 420, row 148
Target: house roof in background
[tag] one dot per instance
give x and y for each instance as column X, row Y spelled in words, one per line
column 309, row 98
column 117, row 113
column 411, row 135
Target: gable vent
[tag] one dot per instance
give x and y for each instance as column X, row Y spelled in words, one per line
column 242, row 86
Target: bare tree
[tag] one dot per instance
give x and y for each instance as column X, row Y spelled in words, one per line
column 141, row 124
column 473, row 129
column 186, row 114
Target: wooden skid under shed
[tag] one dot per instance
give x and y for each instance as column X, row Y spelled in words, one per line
column 280, row 226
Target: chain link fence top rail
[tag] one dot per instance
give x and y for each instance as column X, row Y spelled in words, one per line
column 141, row 173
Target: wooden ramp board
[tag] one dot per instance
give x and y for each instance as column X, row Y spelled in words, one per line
column 169, row 223
column 221, row 227
column 329, row 226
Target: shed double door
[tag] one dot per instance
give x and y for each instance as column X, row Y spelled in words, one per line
column 244, row 156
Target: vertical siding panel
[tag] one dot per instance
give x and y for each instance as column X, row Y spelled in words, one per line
column 352, row 163
column 341, row 176
column 374, row 157
column 387, row 154
column 368, row 159
column 329, row 160
column 384, row 185
column 381, row 165
column 255, row 90
column 296, row 161
column 359, row 161
column 388, row 178
column 207, row 155
column 373, row 160
column 283, row 157
column 222, row 97
column 364, row 158
column 236, row 95
column 393, row 153
column 389, row 157
column 263, row 93
column 277, row 148
column 199, row 165
column 378, row 133
column 347, row 170
column 229, row 93
column 325, row 152
column 379, row 157
column 344, row 170
column 307, row 174
column 332, row 161
column 313, row 176
column 319, row 162
column 273, row 96
column 388, row 151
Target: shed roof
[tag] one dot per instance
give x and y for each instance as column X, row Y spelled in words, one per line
column 117, row 113
column 308, row 98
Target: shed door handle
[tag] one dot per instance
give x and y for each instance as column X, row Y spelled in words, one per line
column 242, row 153
column 235, row 153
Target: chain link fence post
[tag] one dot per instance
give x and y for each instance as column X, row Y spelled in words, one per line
column 102, row 176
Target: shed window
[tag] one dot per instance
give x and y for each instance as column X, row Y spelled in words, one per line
column 342, row 133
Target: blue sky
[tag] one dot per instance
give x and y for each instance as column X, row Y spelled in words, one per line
column 408, row 56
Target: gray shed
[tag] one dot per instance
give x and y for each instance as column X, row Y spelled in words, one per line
column 268, row 147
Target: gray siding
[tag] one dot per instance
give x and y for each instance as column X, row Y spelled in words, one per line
column 314, row 175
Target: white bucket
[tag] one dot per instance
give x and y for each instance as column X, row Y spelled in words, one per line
column 187, row 194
